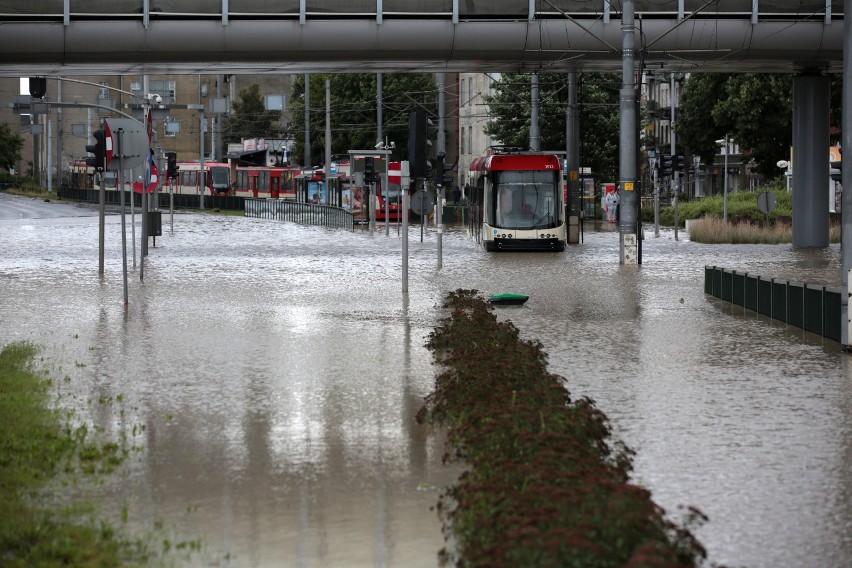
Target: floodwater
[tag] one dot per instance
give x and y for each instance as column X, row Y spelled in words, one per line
column 270, row 374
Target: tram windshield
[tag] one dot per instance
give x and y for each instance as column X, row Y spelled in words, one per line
column 393, row 193
column 526, row 200
column 220, row 178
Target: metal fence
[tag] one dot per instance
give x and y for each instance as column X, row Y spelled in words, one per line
column 816, row 309
column 302, row 213
column 113, row 197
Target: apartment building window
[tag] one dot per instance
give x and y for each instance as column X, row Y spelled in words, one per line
column 461, row 93
column 461, row 139
column 104, row 94
column 470, row 90
column 470, row 139
column 171, row 126
column 136, row 89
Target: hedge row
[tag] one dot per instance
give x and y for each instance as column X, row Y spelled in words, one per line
column 544, row 485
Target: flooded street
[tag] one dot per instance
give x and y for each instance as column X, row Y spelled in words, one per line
column 271, row 372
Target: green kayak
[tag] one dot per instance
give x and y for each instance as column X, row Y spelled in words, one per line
column 507, row 299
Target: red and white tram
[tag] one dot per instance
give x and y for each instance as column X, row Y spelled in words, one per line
column 517, row 201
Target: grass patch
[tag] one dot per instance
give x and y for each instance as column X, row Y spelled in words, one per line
column 545, row 485
column 37, row 446
column 713, row 230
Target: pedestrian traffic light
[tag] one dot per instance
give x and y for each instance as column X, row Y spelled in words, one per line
column 418, row 143
column 664, row 165
column 441, row 179
column 369, row 170
column 171, row 165
column 99, row 151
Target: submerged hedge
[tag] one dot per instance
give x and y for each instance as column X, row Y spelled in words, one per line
column 544, row 485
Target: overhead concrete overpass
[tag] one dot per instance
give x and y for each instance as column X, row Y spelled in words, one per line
column 77, row 37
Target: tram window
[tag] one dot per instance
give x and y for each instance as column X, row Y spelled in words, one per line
column 526, row 199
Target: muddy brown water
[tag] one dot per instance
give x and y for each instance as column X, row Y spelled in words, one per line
column 270, row 374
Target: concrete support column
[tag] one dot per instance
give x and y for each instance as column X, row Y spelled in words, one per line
column 810, row 156
column 846, row 144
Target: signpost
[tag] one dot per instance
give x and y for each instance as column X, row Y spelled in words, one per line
column 766, row 202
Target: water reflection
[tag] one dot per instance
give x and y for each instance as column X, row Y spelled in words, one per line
column 277, row 370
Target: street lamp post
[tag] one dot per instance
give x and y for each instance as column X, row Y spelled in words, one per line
column 725, row 198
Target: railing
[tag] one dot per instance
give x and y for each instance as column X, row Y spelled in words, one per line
column 817, row 309
column 455, row 9
column 302, row 213
column 182, row 201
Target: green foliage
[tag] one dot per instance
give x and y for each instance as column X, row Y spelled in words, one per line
column 249, row 117
column 754, row 109
column 597, row 97
column 353, row 112
column 545, row 485
column 11, row 144
column 742, row 206
column 35, row 447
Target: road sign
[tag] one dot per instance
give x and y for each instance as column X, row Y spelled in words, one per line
column 108, row 144
column 421, row 202
column 134, row 142
column 766, row 201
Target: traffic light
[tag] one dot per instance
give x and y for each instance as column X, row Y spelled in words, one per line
column 440, row 178
column 679, row 163
column 38, row 87
column 664, row 165
column 418, row 143
column 369, row 170
column 99, row 151
column 171, row 165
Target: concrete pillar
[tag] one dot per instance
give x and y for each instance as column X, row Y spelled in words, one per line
column 810, row 160
column 846, row 144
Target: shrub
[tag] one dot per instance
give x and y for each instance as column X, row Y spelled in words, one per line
column 545, row 485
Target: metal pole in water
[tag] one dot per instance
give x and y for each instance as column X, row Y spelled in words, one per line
column 405, row 205
column 132, row 220
column 101, row 224
column 120, row 134
column 387, row 189
column 674, row 155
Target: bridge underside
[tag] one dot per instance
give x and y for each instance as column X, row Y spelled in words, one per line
column 285, row 45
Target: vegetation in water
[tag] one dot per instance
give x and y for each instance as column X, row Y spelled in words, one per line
column 545, row 484
column 42, row 456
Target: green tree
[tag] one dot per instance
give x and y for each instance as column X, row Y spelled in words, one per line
column 249, row 117
column 754, row 109
column 696, row 128
column 597, row 95
column 11, row 144
column 353, row 111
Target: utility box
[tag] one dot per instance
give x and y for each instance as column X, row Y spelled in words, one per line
column 155, row 223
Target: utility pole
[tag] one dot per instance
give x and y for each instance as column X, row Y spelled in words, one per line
column 628, row 222
column 674, row 153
